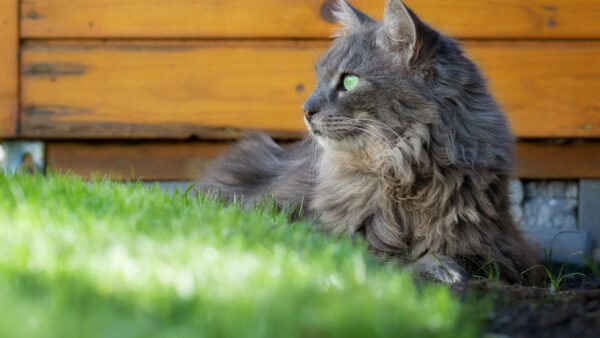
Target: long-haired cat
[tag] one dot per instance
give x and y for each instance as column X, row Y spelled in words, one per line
column 407, row 147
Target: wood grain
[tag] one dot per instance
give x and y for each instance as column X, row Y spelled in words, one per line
column 548, row 89
column 212, row 89
column 9, row 68
column 299, row 18
column 176, row 18
column 165, row 89
column 148, row 161
column 531, row 19
column 558, row 161
column 166, row 161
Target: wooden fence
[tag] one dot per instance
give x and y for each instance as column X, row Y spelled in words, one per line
column 163, row 86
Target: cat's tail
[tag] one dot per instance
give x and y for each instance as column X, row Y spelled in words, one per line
column 248, row 169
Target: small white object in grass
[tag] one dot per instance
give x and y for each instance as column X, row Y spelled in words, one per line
column 2, row 154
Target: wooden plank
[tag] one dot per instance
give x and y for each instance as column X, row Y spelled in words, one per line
column 558, row 161
column 548, row 89
column 148, row 161
column 211, row 89
column 175, row 18
column 165, row 89
column 9, row 45
column 296, row 18
column 166, row 161
column 533, row 19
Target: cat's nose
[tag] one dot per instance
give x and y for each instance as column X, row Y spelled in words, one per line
column 308, row 114
column 313, row 105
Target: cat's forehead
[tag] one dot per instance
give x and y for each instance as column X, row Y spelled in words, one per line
column 334, row 54
column 346, row 51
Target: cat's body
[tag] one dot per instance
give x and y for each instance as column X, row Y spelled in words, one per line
column 416, row 156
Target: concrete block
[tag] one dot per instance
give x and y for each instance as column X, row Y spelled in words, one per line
column 551, row 204
column 570, row 247
column 589, row 207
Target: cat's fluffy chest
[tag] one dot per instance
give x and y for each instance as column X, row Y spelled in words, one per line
column 347, row 192
column 353, row 192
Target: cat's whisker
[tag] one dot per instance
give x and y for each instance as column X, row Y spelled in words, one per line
column 372, row 134
column 352, row 126
column 381, row 124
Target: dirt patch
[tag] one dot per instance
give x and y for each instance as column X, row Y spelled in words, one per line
column 521, row 311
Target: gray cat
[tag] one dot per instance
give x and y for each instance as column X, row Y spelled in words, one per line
column 407, row 147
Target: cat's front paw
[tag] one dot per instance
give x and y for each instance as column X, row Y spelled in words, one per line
column 439, row 268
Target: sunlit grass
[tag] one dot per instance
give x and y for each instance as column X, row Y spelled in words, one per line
column 104, row 259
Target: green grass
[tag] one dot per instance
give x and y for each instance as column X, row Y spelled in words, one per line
column 555, row 278
column 103, row 259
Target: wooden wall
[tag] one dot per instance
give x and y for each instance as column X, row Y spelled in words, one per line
column 112, row 85
column 9, row 82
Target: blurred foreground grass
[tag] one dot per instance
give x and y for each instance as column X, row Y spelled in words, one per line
column 103, row 259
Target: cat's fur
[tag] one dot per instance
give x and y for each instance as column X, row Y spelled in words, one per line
column 416, row 158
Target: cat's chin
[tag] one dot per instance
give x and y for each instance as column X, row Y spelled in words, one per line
column 351, row 145
column 325, row 142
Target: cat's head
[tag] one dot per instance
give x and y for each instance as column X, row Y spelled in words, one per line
column 370, row 81
column 380, row 80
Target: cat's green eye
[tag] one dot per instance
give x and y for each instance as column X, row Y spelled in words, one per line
column 350, row 81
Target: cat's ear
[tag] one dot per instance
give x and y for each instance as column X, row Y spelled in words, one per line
column 349, row 17
column 399, row 30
